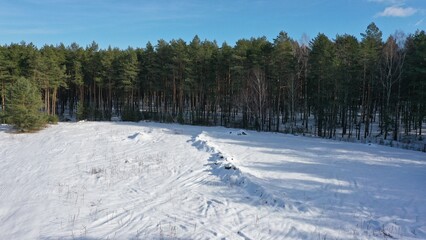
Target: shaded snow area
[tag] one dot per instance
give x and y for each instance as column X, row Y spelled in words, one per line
column 92, row 180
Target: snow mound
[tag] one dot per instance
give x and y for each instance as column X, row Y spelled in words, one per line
column 224, row 166
column 238, row 133
column 136, row 136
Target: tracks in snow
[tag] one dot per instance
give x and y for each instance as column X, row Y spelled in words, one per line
column 139, row 189
column 158, row 181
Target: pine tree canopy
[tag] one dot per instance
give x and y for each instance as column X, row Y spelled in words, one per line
column 23, row 106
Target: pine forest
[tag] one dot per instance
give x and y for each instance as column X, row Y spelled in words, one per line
column 347, row 87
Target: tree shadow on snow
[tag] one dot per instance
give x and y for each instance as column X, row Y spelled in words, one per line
column 346, row 184
column 342, row 184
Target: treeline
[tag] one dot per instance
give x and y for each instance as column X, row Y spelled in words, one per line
column 329, row 87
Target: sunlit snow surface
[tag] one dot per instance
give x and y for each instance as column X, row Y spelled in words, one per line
column 102, row 180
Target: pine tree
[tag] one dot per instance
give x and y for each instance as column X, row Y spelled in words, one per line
column 371, row 47
column 23, row 106
column 284, row 72
column 349, row 78
column 322, row 84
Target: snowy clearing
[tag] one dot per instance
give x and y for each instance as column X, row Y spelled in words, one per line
column 120, row 180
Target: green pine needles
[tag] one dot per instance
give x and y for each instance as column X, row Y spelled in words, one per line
column 23, row 108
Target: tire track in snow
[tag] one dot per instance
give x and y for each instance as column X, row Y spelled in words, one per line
column 190, row 177
column 176, row 181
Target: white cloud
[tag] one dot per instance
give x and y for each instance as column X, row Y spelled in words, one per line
column 419, row 23
column 395, row 11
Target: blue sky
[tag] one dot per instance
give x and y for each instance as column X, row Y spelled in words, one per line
column 123, row 23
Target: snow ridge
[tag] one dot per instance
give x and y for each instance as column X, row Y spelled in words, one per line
column 226, row 168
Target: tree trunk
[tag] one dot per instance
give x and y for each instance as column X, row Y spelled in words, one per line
column 54, row 100
column 3, row 96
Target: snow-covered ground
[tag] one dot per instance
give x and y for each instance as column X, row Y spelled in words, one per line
column 119, row 180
